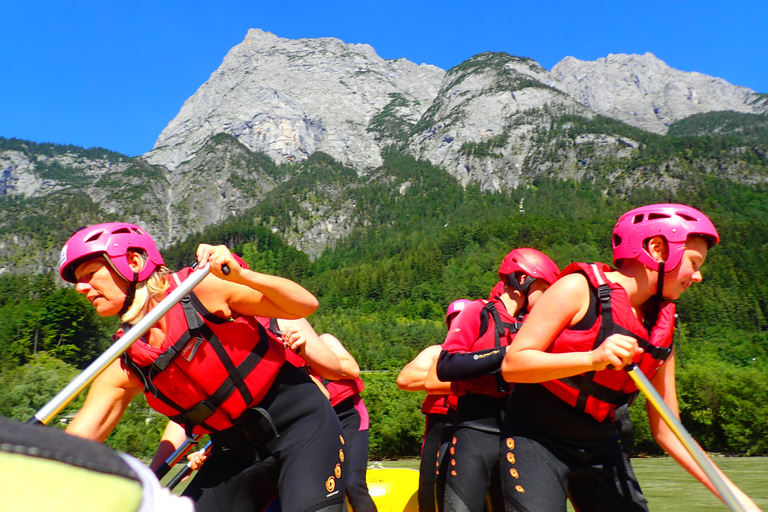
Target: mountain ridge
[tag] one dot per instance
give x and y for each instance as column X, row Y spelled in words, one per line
column 495, row 121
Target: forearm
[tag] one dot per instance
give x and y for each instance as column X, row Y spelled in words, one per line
column 534, row 366
column 435, row 386
column 290, row 298
column 95, row 429
column 412, row 379
column 321, row 360
column 173, row 437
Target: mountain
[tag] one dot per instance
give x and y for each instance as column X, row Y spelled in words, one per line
column 303, row 129
column 643, row 91
column 290, row 98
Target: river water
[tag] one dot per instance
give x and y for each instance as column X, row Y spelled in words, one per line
column 669, row 487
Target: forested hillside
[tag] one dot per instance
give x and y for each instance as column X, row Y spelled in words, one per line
column 426, row 241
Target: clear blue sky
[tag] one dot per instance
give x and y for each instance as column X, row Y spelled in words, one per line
column 113, row 74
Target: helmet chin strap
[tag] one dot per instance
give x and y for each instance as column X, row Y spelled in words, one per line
column 521, row 287
column 660, row 282
column 130, row 294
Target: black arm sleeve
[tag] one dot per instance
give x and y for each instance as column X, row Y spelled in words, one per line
column 470, row 365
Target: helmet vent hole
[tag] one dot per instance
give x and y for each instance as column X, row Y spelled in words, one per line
column 637, row 219
column 95, row 237
column 616, row 240
column 686, row 217
column 654, row 216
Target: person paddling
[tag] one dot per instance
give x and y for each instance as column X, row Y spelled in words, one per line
column 559, row 438
column 211, row 367
column 439, row 409
column 470, row 359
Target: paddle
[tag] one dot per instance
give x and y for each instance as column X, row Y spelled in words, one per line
column 187, row 469
column 653, row 396
column 79, row 383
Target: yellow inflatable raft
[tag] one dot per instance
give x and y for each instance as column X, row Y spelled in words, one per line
column 393, row 489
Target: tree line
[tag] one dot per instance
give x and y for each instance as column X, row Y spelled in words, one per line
column 383, row 292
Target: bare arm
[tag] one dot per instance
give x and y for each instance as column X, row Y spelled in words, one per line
column 247, row 292
column 413, row 376
column 664, row 382
column 435, row 386
column 107, row 399
column 299, row 336
column 349, row 367
column 561, row 306
column 173, row 437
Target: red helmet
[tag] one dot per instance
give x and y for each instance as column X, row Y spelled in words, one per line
column 673, row 222
column 113, row 240
column 454, row 308
column 533, row 263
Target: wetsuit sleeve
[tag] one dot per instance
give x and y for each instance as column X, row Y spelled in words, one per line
column 470, row 365
column 458, row 361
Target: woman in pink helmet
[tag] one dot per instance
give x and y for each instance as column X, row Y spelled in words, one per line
column 212, row 368
column 559, row 438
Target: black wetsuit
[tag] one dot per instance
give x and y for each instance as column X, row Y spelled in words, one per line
column 290, row 446
column 545, row 462
column 357, row 456
column 471, row 359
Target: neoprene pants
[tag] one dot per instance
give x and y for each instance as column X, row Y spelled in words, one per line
column 472, row 472
column 302, row 465
column 357, row 455
column 433, row 430
column 535, row 480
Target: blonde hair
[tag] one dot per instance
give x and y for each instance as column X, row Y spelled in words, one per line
column 153, row 287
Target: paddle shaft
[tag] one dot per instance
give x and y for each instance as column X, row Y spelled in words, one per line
column 653, row 396
column 79, row 383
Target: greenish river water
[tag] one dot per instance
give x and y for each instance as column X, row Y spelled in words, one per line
column 669, row 487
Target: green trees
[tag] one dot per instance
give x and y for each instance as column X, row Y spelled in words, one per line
column 422, row 242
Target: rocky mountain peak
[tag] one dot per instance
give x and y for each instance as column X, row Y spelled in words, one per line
column 291, row 98
column 643, row 91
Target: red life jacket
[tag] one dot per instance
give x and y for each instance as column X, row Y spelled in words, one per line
column 482, row 325
column 339, row 390
column 439, row 404
column 208, row 370
column 600, row 393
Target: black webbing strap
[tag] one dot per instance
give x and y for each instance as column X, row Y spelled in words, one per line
column 202, row 410
column 598, row 391
column 585, row 382
column 607, row 328
column 500, row 330
column 199, row 330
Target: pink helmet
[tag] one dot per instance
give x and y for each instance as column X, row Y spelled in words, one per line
column 454, row 308
column 674, row 222
column 113, row 240
column 533, row 263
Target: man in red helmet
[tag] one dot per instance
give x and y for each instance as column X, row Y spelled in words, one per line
column 439, row 409
column 471, row 359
